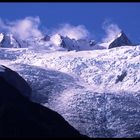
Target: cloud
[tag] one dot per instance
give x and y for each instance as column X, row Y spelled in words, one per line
column 112, row 30
column 29, row 27
column 73, row 32
column 3, row 26
column 55, row 40
column 23, row 28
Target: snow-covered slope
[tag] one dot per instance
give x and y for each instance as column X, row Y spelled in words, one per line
column 94, row 67
column 97, row 92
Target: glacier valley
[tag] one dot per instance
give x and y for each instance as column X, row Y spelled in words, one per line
column 96, row 90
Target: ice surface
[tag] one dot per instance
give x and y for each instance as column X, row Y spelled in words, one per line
column 82, row 87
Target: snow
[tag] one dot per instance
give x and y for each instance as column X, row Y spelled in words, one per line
column 94, row 67
column 81, row 86
column 1, row 36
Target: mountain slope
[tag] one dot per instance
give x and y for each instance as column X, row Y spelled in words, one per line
column 97, row 92
column 20, row 117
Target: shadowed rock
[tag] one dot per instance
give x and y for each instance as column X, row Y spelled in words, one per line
column 15, row 80
column 20, row 117
column 121, row 40
column 121, row 77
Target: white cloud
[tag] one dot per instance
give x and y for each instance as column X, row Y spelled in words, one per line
column 56, row 40
column 112, row 30
column 73, row 32
column 29, row 27
column 23, row 28
column 3, row 26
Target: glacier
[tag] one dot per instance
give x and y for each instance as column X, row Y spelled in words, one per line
column 96, row 91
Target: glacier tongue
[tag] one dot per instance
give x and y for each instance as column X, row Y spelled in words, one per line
column 97, row 91
column 99, row 67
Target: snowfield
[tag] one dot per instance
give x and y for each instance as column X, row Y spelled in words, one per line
column 97, row 92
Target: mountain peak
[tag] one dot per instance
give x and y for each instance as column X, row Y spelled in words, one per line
column 8, row 40
column 120, row 40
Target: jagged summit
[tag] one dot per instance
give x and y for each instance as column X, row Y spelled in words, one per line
column 72, row 44
column 46, row 38
column 57, row 41
column 120, row 40
column 8, row 40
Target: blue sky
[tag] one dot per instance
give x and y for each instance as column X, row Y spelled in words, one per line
column 91, row 15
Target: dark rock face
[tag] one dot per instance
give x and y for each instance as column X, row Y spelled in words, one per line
column 122, row 40
column 121, row 77
column 15, row 80
column 46, row 38
column 20, row 117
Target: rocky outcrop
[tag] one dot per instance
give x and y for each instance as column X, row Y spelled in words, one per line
column 14, row 79
column 20, row 117
column 121, row 40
